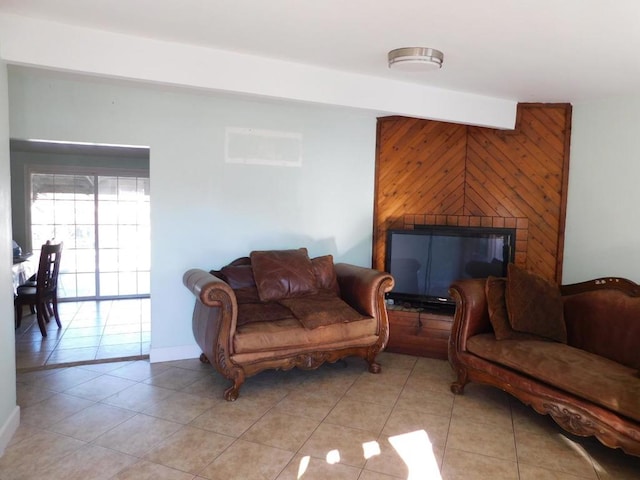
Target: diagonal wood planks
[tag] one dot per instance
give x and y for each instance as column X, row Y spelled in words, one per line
column 451, row 172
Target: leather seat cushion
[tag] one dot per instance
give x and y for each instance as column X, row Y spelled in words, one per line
column 290, row 334
column 588, row 376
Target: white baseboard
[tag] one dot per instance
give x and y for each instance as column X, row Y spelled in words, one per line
column 9, row 428
column 174, row 353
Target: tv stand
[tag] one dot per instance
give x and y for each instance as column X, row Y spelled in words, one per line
column 423, row 331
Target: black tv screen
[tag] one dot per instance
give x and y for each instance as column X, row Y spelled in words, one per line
column 425, row 261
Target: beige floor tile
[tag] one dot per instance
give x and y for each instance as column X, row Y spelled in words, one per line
column 189, row 449
column 92, row 462
column 138, row 370
column 337, row 444
column 53, row 409
column 427, row 401
column 406, row 454
column 370, row 389
column 495, row 441
column 527, row 420
column 138, row 435
column 312, row 405
column 175, row 378
column 32, row 457
column 228, row 418
column 288, row 432
column 62, row 356
column 189, row 363
column 79, row 332
column 248, row 461
column 212, row 385
column 120, row 338
column 123, row 350
column 34, row 377
column 263, row 394
column 309, row 468
column 144, row 470
column 369, row 475
column 296, row 409
column 389, row 374
column 435, row 368
column 529, row 472
column 555, row 452
column 484, row 396
column 332, row 378
column 402, row 421
column 24, row 431
column 28, row 395
column 31, row 360
column 138, row 396
column 105, row 366
column 78, row 342
column 354, row 413
column 476, row 411
column 65, row 378
column 35, row 346
column 180, row 407
column 396, row 360
column 93, row 421
column 427, row 382
column 99, row 388
column 459, row 465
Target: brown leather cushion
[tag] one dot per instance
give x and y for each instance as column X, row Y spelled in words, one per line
column 247, row 295
column 588, row 376
column 495, row 291
column 283, row 274
column 322, row 309
column 325, row 273
column 240, row 276
column 534, row 305
column 261, row 312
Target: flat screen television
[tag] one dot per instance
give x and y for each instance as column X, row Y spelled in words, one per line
column 425, row 261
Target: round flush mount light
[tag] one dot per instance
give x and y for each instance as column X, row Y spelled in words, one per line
column 415, row 58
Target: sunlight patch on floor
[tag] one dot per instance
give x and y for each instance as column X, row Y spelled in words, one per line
column 416, row 451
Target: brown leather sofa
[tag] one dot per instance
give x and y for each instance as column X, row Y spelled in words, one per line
column 587, row 381
column 281, row 309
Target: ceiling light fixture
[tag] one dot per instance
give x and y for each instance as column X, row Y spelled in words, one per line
column 415, row 58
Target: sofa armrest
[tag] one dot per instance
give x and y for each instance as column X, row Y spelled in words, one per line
column 363, row 288
column 472, row 315
column 215, row 312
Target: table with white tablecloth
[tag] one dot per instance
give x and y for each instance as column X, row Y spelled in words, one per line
column 23, row 268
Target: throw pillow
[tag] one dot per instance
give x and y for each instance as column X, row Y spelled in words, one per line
column 320, row 310
column 325, row 273
column 261, row 312
column 283, row 274
column 534, row 305
column 496, row 304
column 240, row 276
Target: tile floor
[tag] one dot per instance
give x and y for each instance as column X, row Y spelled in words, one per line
column 91, row 330
column 136, row 420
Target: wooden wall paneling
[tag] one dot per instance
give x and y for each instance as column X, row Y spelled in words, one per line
column 419, row 168
column 441, row 173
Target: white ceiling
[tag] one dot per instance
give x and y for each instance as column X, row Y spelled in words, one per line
column 522, row 50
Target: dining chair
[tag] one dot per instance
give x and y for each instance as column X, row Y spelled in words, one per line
column 43, row 295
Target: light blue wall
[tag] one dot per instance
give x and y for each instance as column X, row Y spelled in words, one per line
column 205, row 211
column 603, row 218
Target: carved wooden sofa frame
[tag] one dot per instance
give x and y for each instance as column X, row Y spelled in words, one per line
column 574, row 414
column 215, row 316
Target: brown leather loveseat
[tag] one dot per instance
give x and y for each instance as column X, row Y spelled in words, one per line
column 280, row 309
column 582, row 368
